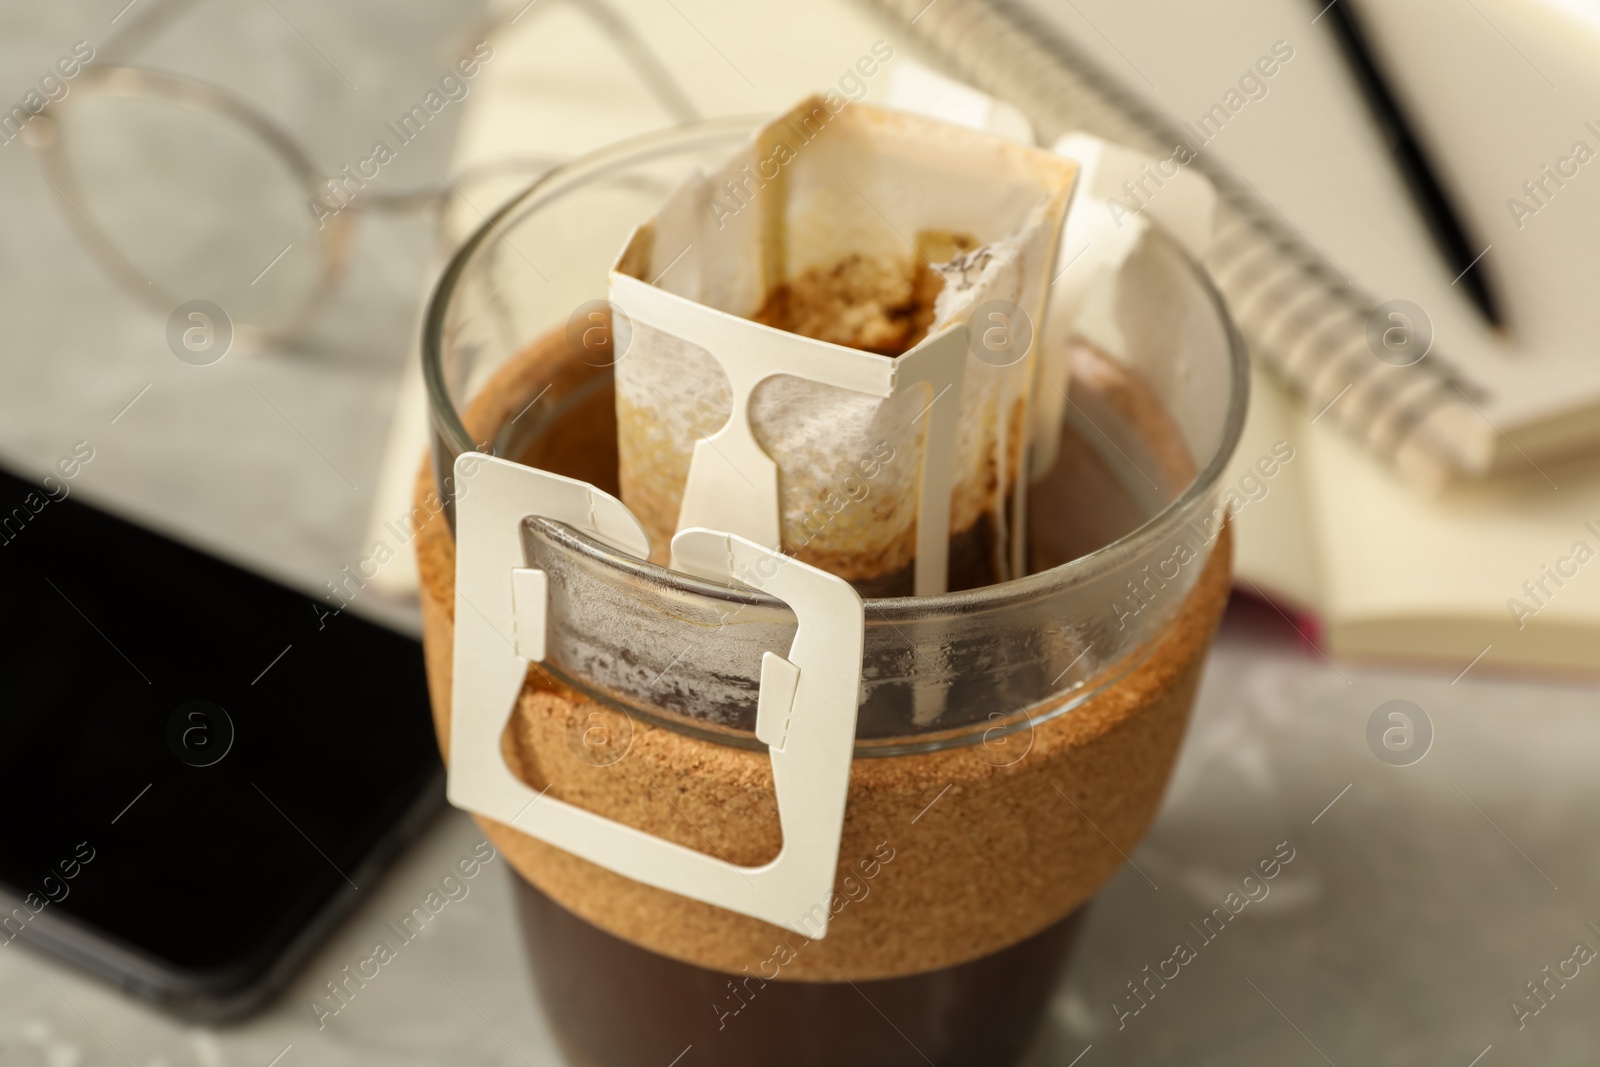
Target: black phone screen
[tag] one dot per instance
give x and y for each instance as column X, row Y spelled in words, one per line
column 196, row 763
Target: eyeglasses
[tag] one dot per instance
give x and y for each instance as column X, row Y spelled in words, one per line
column 183, row 190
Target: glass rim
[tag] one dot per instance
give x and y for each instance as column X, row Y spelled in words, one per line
column 446, row 418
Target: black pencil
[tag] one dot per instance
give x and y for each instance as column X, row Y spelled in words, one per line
column 1461, row 252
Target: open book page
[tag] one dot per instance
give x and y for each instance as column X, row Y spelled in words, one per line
column 1514, row 565
column 1276, row 548
column 1511, row 567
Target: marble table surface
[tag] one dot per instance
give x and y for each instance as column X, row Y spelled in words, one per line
column 1419, row 901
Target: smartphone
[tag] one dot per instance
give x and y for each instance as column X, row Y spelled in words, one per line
column 201, row 770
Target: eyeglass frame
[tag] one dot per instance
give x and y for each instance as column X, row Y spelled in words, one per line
column 336, row 228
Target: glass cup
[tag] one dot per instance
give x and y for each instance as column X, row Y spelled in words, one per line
column 1013, row 741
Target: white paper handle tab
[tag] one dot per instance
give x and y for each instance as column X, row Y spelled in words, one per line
column 1119, row 193
column 733, row 483
column 806, row 710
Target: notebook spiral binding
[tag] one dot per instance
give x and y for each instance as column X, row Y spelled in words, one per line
column 1304, row 321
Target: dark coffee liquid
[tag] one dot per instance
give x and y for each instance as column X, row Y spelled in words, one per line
column 1084, row 503
column 614, row 1004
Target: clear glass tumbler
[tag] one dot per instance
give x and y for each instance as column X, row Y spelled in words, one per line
column 1013, row 741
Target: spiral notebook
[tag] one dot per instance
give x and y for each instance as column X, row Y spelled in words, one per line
column 1476, row 404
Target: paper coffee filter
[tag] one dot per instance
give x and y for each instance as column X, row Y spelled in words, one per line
column 854, row 212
